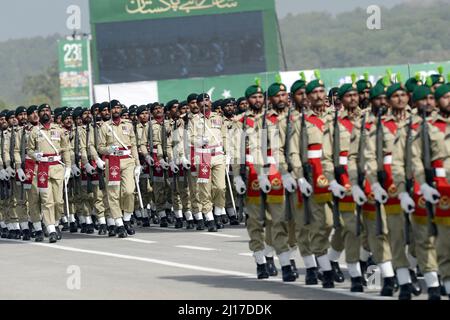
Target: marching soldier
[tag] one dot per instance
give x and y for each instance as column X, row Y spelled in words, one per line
column 49, row 147
column 117, row 143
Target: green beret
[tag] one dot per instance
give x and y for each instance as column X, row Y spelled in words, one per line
column 313, row 85
column 394, row 88
column 32, row 109
column 377, row 91
column 10, row 114
column 20, row 110
column 253, row 90
column 348, row 87
column 191, row 97
column 421, row 92
column 299, row 84
column 275, row 88
column 441, row 91
column 412, row 84
column 141, row 109
column 43, row 106
column 363, row 85
column 437, row 78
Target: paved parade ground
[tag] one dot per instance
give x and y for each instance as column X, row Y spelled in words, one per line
column 156, row 263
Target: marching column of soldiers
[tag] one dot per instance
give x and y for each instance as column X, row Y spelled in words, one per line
column 363, row 170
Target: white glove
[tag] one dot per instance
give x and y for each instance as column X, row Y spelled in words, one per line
column 164, row 164
column 150, row 160
column 137, row 171
column 10, row 171
column 379, row 193
column 264, row 184
column 203, row 141
column 228, row 160
column 67, row 173
column 430, row 194
column 289, row 183
column 100, row 163
column 358, row 195
column 76, row 171
column 90, row 169
column 21, row 175
column 406, row 202
column 305, row 187
column 174, row 167
column 38, row 156
column 112, row 149
column 186, row 163
column 337, row 189
column 2, row 174
column 240, row 186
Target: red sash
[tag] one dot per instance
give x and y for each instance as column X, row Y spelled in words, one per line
column 29, row 173
column 442, row 185
column 158, row 171
column 43, row 168
column 114, row 176
column 204, row 167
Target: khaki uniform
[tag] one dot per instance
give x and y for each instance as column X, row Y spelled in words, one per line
column 120, row 185
column 229, row 124
column 55, row 154
column 144, row 183
column 16, row 212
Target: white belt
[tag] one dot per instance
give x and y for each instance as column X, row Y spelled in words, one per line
column 387, row 159
column 50, row 159
column 209, row 150
column 343, row 161
column 441, row 173
column 249, row 158
column 314, row 154
column 271, row 160
column 121, row 153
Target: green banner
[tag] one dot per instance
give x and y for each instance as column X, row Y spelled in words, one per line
column 74, row 73
column 123, row 10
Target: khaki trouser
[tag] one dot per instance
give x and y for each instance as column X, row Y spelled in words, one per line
column 159, row 192
column 20, row 196
column 11, row 212
column 121, row 197
column 292, row 237
column 352, row 243
column 53, row 197
column 425, row 250
column 181, row 197
column 380, row 246
column 314, row 238
column 193, row 190
column 34, row 206
column 395, row 224
column 213, row 192
column 337, row 239
column 443, row 251
column 228, row 195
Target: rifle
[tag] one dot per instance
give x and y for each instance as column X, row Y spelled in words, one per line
column 409, row 176
column 187, row 150
column 288, row 207
column 360, row 171
column 77, row 181
column 175, row 175
column 90, row 186
column 243, row 169
column 164, row 146
column 101, row 178
column 338, row 168
column 381, row 174
column 12, row 146
column 429, row 172
column 22, row 161
column 3, row 183
column 264, row 143
column 307, row 168
column 150, row 149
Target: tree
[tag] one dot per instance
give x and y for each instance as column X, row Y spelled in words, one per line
column 43, row 88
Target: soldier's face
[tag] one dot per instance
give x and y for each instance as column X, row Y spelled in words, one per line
column 256, row 101
column 158, row 112
column 144, row 116
column 281, row 100
column 193, row 107
column 428, row 104
column 68, row 123
column 243, row 106
column 33, row 118
column 45, row 115
column 106, row 115
column 379, row 102
column 174, row 111
column 86, row 116
column 116, row 111
column 205, row 105
column 351, row 100
column 399, row 100
column 183, row 110
column 364, row 98
column 300, row 97
column 229, row 110
column 126, row 116
column 12, row 121
column 444, row 103
column 3, row 123
column 317, row 97
column 22, row 118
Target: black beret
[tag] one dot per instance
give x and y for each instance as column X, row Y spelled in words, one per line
column 133, row 109
column 65, row 115
column 43, row 106
column 10, row 114
column 191, row 97
column 154, row 105
column 240, row 100
column 114, row 103
column 32, row 109
column 228, row 101
column 182, row 104
column 58, row 112
column 77, row 112
column 4, row 113
column 141, row 109
column 217, row 104
column 171, row 103
column 95, row 106
column 202, row 97
column 103, row 106
column 20, row 110
column 124, row 112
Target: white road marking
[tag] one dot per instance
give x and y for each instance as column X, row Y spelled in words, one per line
column 140, row 240
column 165, row 229
column 196, row 248
column 223, row 235
column 246, row 254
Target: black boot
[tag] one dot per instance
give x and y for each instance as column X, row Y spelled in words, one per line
column 218, row 222
column 311, row 276
column 200, row 225
column 145, row 222
column 234, row 221
column 90, row 229
column 273, row 271
column 164, row 222
column 294, row 268
column 225, row 219
column 357, row 285
column 416, row 288
column 327, row 281
column 179, row 223
column 58, row 234
column 288, row 274
column 211, row 225
column 261, row 271
column 363, row 265
column 337, row 273
column 405, row 292
column 26, row 235
column 112, row 231
column 190, row 225
column 4, row 233
column 169, row 216
column 121, row 232
column 388, row 287
column 83, row 228
column 39, row 236
column 18, row 234
column 434, row 293
column 52, row 237
column 65, row 226
column 102, row 230
column 11, row 234
column 73, row 227
column 129, row 228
